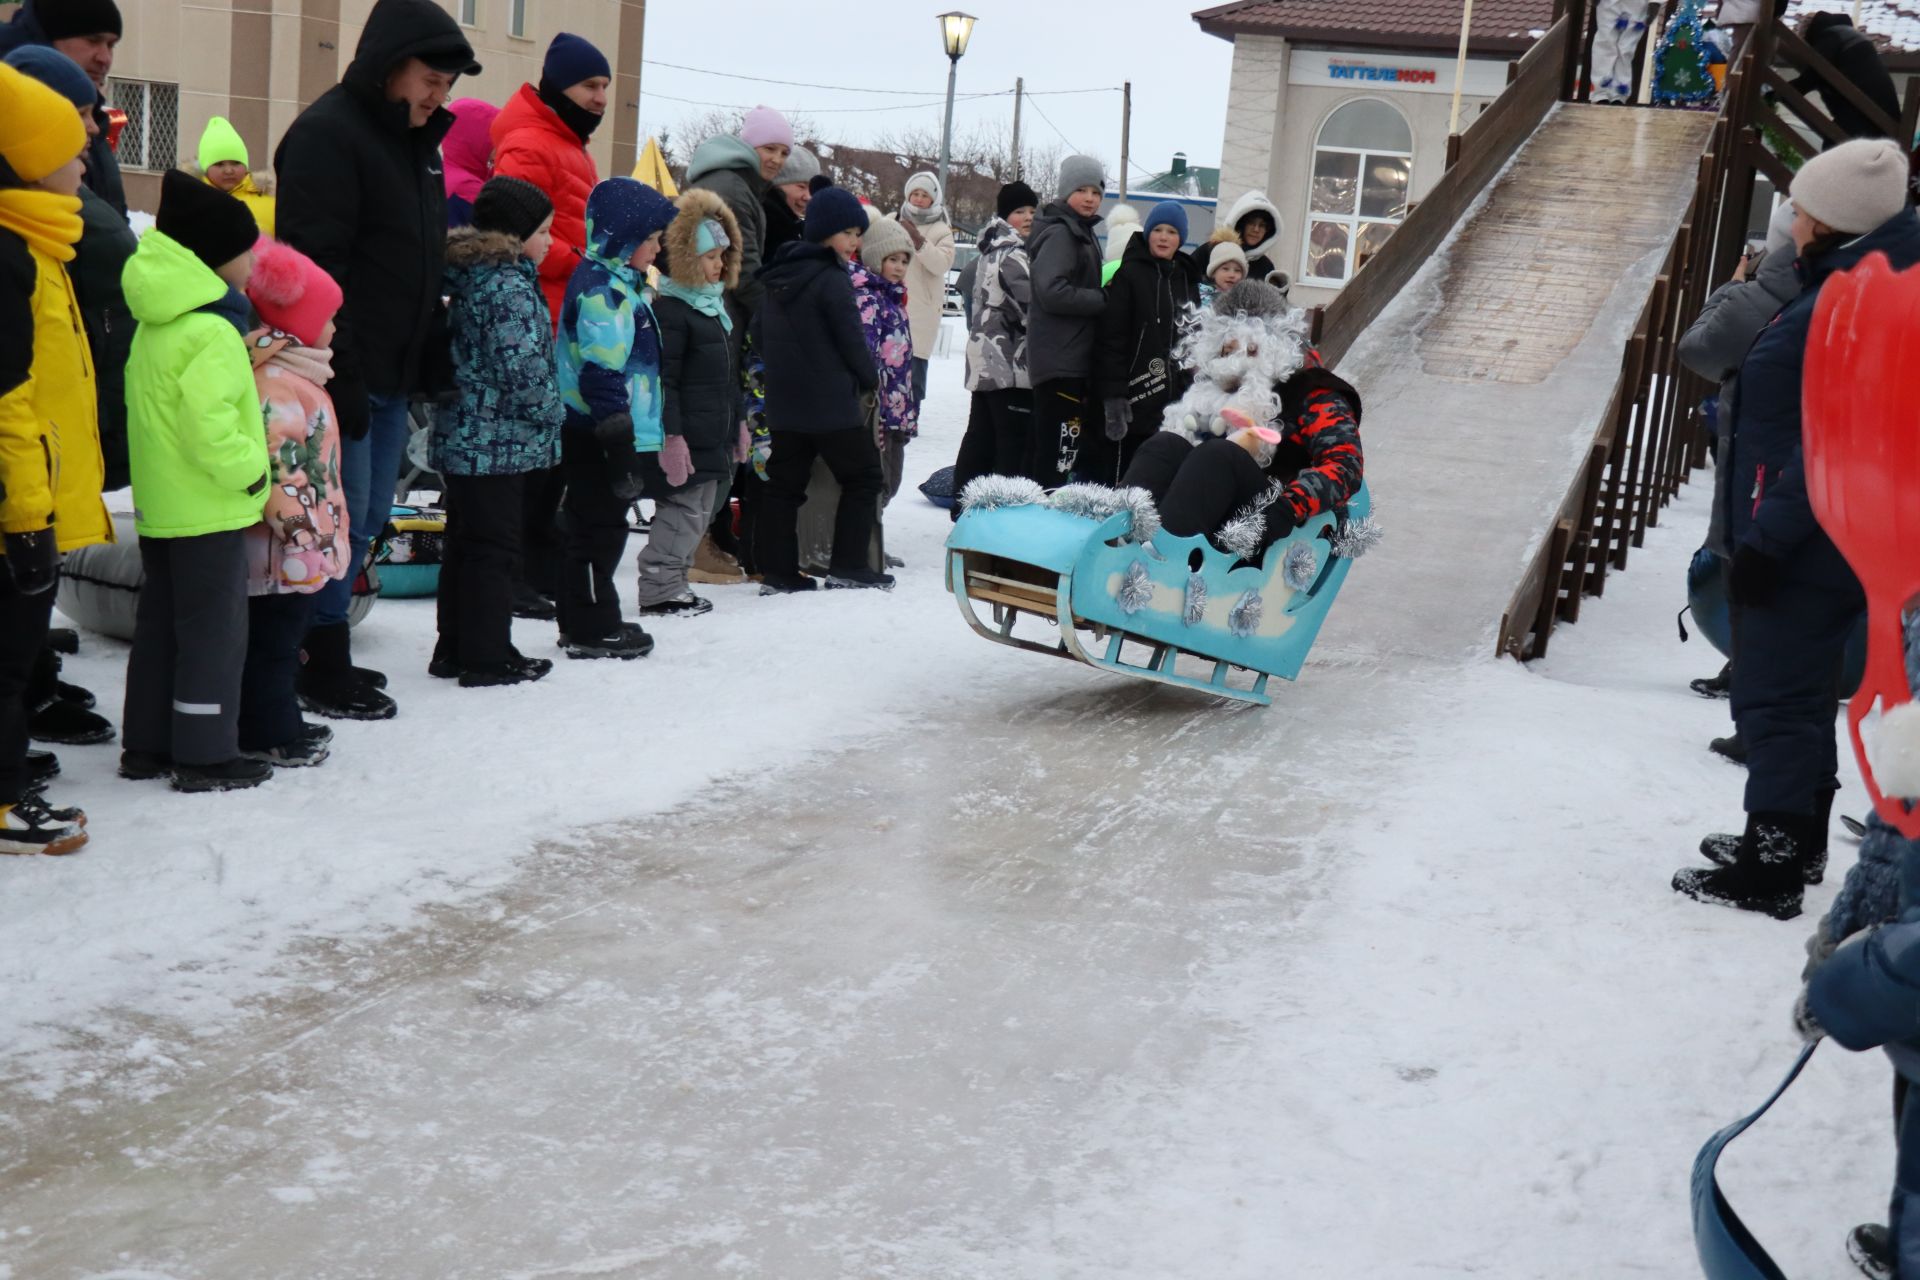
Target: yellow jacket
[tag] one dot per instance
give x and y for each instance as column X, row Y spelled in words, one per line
column 221, row 141
column 258, row 202
column 50, row 463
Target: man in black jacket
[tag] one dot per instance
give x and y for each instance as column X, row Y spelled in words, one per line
column 1852, row 54
column 362, row 194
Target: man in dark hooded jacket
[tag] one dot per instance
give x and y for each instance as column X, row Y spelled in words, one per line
column 362, row 194
column 87, row 31
column 1852, row 54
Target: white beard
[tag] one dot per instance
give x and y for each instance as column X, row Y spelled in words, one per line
column 1238, row 362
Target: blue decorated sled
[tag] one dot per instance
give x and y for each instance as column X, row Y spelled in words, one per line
column 1136, row 607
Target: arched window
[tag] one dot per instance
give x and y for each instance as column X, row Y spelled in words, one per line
column 1362, row 164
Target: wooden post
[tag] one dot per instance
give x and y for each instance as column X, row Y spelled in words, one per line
column 1654, row 26
column 1460, row 64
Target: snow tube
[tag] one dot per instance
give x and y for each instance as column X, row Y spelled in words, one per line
column 100, row 585
column 407, row 558
column 938, row 489
column 1707, row 601
column 1727, row 1249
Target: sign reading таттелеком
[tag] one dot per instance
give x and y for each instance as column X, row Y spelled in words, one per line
column 1394, row 73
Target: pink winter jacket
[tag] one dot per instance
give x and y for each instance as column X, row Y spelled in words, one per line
column 300, row 543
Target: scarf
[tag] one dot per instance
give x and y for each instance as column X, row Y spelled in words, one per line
column 932, row 213
column 576, row 117
column 707, row 299
column 47, row 222
column 283, row 350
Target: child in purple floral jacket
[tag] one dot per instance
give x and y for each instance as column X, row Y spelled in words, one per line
column 880, row 290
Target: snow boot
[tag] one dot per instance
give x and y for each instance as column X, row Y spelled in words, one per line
column 1871, row 1249
column 443, row 668
column 301, row 753
column 1723, row 848
column 75, row 694
column 63, row 640
column 512, row 671
column 330, row 685
column 1720, row 686
column 859, row 579
column 1766, row 871
column 145, row 766
column 69, row 724
column 236, row 774
column 779, row 584
column 30, row 826
column 529, row 603
column 42, row 767
column 1732, row 747
column 714, row 566
column 684, row 605
column 628, row 642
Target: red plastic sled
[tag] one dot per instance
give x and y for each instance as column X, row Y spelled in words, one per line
column 1860, row 410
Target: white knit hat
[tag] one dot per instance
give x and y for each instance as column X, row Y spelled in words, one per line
column 883, row 239
column 1224, row 252
column 1854, row 187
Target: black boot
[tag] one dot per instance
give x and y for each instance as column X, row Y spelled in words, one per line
column 1719, row 686
column 1732, row 747
column 1722, row 848
column 328, row 684
column 1765, row 875
column 1871, row 1250
column 69, row 724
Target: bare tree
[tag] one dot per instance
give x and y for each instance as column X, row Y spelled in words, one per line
column 979, row 163
column 696, row 127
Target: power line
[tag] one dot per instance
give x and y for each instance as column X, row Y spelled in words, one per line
column 808, row 111
column 848, row 88
column 1056, row 128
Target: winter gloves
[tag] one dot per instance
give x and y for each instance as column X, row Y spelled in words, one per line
column 744, row 449
column 1119, row 417
column 1281, row 520
column 34, row 560
column 1755, row 576
column 676, row 460
column 615, row 434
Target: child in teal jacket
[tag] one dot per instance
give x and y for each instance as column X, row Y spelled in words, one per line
column 200, row 470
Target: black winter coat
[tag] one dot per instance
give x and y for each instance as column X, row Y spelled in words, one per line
column 1064, row 319
column 1146, row 300
column 106, row 242
column 1852, row 54
column 809, row 336
column 699, row 393
column 783, row 227
column 362, row 194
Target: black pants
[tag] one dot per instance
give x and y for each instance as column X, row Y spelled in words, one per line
column 23, row 634
column 854, row 459
column 1197, row 487
column 999, row 439
column 1786, row 692
column 189, row 649
column 480, row 564
column 269, row 713
column 594, row 524
column 1064, row 416
column 542, row 549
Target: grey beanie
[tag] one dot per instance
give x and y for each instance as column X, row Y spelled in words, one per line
column 801, row 166
column 1253, row 298
column 1854, row 187
column 883, row 239
column 1077, row 172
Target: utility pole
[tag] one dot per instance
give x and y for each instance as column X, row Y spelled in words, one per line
column 1019, row 91
column 1126, row 132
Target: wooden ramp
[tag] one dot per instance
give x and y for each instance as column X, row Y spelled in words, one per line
column 1486, row 378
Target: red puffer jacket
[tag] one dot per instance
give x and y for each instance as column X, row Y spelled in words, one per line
column 531, row 142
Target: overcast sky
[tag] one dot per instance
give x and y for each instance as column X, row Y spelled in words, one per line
column 1179, row 75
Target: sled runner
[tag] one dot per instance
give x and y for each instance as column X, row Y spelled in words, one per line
column 1137, row 605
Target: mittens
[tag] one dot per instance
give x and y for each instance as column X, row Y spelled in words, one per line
column 1119, row 414
column 34, row 560
column 676, row 460
column 615, row 434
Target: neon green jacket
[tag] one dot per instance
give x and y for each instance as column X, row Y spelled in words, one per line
column 195, row 437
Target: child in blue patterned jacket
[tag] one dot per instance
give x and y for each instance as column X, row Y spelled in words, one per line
column 504, row 425
column 610, row 383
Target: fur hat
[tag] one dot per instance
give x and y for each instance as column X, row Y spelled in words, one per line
column 1077, row 172
column 834, row 209
column 39, row 130
column 765, row 127
column 291, row 292
column 883, row 239
column 697, row 207
column 801, row 166
column 1854, row 187
column 55, row 70
column 1016, row 195
column 1225, row 251
column 511, row 205
column 203, row 219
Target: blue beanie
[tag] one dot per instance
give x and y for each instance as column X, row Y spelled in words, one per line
column 571, row 59
column 621, row 214
column 55, row 70
column 1166, row 214
column 834, row 209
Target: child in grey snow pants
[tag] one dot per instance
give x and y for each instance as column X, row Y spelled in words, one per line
column 189, row 649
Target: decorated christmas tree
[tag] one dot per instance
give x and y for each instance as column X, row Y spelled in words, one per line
column 1680, row 75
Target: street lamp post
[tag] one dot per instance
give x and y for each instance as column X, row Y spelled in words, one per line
column 956, row 29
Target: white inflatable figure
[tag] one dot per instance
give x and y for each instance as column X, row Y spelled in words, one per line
column 1123, row 224
column 1238, row 359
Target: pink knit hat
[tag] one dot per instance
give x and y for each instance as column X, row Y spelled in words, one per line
column 291, row 292
column 766, row 127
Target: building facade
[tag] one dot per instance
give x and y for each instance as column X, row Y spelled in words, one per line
column 260, row 62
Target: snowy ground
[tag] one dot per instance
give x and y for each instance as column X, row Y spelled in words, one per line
column 831, row 941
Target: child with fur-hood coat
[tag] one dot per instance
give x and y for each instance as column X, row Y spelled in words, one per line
column 702, row 415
